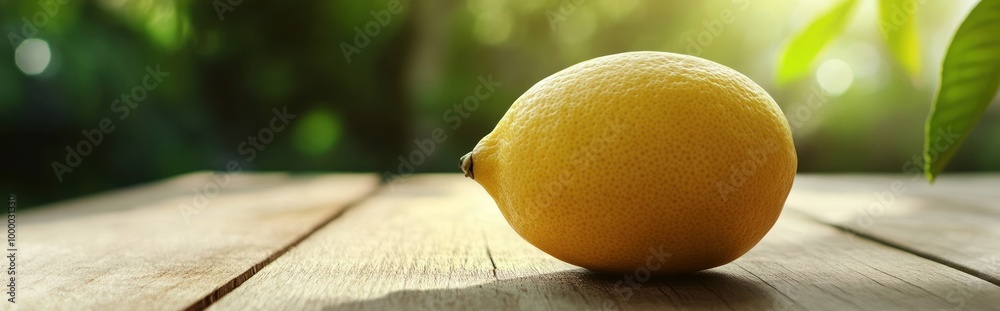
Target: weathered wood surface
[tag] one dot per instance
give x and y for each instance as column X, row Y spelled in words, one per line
column 164, row 247
column 956, row 221
column 438, row 242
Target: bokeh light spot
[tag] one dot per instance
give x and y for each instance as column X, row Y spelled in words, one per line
column 164, row 26
column 33, row 56
column 835, row 76
column 317, row 133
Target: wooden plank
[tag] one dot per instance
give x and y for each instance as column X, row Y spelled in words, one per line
column 439, row 242
column 956, row 221
column 145, row 248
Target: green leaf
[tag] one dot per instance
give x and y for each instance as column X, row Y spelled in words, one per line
column 897, row 22
column 969, row 80
column 801, row 51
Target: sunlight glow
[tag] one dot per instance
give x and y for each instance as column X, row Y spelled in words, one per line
column 317, row 133
column 835, row 76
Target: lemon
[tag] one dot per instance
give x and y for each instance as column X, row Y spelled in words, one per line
column 614, row 159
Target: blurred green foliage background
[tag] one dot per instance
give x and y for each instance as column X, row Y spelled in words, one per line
column 232, row 62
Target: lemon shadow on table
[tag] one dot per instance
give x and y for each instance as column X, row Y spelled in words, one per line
column 581, row 289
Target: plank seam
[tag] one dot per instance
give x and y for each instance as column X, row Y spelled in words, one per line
column 230, row 286
column 490, row 255
column 951, row 264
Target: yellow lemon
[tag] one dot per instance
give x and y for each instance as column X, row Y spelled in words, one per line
column 640, row 160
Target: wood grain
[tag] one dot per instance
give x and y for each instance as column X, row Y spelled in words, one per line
column 144, row 248
column 439, row 242
column 956, row 221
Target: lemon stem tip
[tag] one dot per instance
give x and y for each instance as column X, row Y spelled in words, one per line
column 466, row 164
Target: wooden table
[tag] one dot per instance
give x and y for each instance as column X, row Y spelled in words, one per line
column 275, row 241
